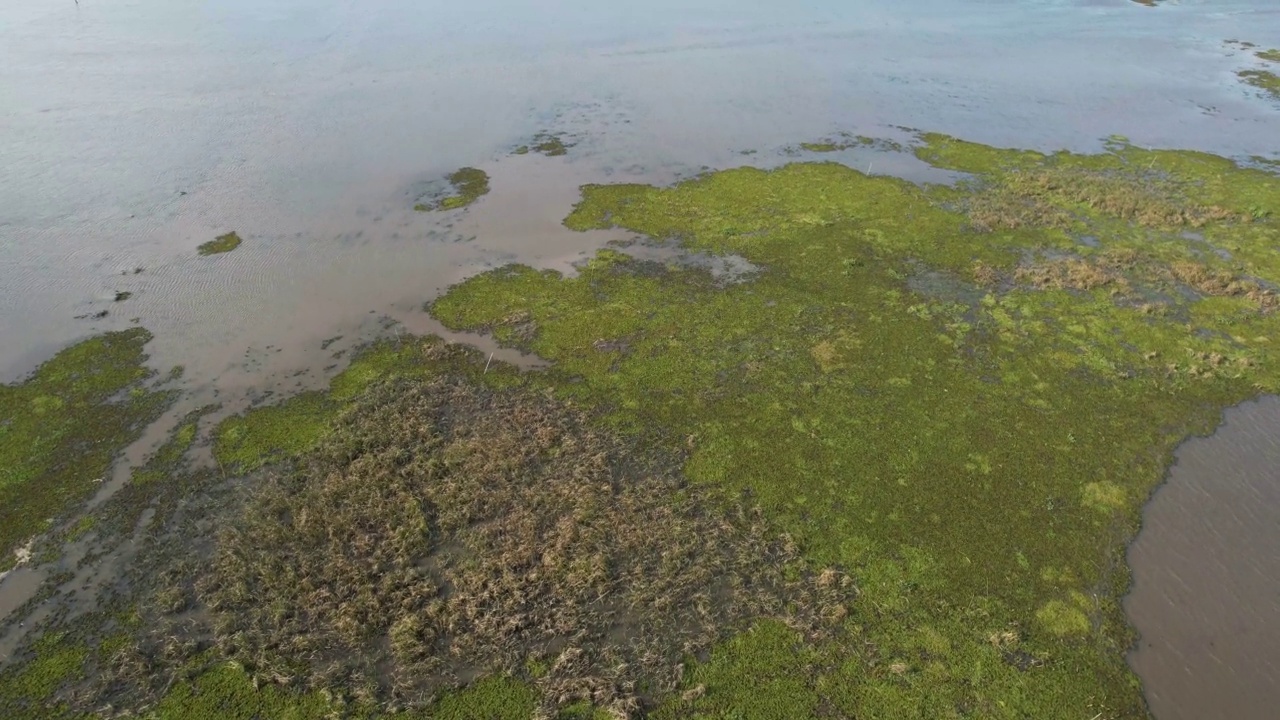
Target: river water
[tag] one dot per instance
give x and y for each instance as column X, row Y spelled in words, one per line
column 131, row 131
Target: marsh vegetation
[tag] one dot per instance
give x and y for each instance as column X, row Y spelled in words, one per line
column 467, row 185
column 221, row 244
column 891, row 473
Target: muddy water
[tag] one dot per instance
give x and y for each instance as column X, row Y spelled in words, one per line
column 1206, row 575
column 131, row 131
column 134, row 130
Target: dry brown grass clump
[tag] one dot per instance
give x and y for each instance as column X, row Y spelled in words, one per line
column 1121, row 270
column 1001, row 209
column 1046, row 198
column 1072, row 274
column 1222, row 283
column 984, row 275
column 447, row 531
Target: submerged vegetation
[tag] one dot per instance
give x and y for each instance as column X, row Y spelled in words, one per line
column 551, row 145
column 221, row 244
column 1265, row 80
column 468, row 185
column 892, row 473
column 61, row 428
column 846, row 141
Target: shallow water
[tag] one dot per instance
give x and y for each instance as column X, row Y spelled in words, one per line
column 309, row 128
column 134, row 130
column 1206, row 575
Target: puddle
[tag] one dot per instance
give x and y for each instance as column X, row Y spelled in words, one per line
column 1206, row 575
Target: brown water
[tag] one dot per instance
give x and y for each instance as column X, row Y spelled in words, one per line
column 1206, row 575
column 134, row 130
column 131, row 131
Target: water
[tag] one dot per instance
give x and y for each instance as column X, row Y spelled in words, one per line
column 307, row 127
column 1206, row 575
column 131, row 131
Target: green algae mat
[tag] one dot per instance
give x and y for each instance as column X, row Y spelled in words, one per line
column 61, row 428
column 905, row 456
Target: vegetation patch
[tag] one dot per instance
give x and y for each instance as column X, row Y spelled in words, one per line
column 61, row 428
column 962, row 394
column 1264, row 80
column 443, row 531
column 221, row 244
column 282, row 431
column 551, row 145
column 30, row 687
column 468, row 185
column 1269, row 55
column 960, row 411
column 847, row 141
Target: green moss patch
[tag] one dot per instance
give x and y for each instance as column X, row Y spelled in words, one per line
column 1269, row 55
column 61, row 428
column 28, row 690
column 468, row 185
column 221, row 244
column 961, row 394
column 226, row 693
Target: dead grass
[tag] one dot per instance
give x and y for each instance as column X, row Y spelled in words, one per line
column 1058, row 197
column 446, row 532
column 1003, row 209
column 985, row 275
column 1215, row 282
column 1072, row 274
column 1125, row 270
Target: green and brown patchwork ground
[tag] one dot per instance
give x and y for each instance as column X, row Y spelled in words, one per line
column 962, row 396
column 61, row 428
column 891, row 474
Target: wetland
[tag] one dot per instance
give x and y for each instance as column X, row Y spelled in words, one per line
column 598, row 415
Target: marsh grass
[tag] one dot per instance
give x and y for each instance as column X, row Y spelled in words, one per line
column 1067, row 197
column 965, row 420
column 944, row 389
column 61, row 428
column 443, row 531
